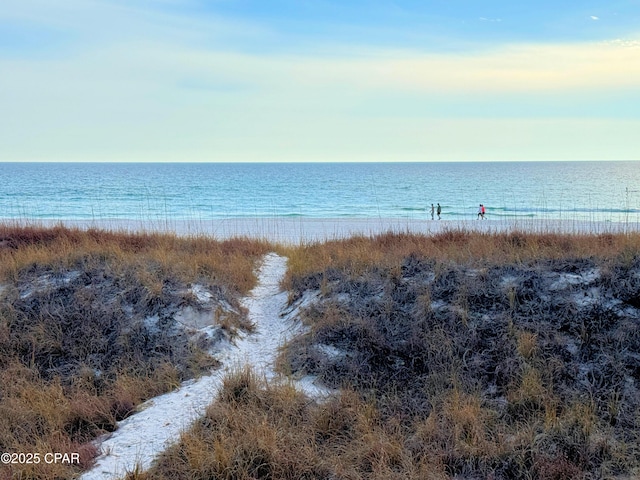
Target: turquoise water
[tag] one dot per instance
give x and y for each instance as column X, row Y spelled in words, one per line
column 596, row 191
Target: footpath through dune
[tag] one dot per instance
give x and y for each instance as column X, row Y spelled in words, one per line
column 142, row 437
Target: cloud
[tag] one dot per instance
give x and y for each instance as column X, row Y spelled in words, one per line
column 141, row 82
column 514, row 68
column 130, row 45
column 593, row 17
column 623, row 42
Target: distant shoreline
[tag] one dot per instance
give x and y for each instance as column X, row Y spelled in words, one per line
column 303, row 230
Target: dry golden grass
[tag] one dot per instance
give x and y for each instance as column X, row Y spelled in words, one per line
column 388, row 250
column 527, row 344
column 383, row 424
column 255, row 430
column 231, row 261
column 51, row 399
column 488, row 350
column 372, row 429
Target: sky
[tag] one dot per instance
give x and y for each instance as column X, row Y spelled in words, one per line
column 319, row 80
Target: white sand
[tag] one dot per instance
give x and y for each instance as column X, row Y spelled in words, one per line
column 142, row 437
column 303, row 230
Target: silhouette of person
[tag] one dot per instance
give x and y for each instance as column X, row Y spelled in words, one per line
column 439, row 211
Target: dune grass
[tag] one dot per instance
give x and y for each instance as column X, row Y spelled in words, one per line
column 256, row 430
column 458, row 246
column 86, row 331
column 462, row 355
column 457, row 355
column 501, row 356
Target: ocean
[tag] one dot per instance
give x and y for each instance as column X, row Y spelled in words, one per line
column 585, row 191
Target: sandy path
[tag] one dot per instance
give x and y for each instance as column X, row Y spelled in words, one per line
column 142, row 437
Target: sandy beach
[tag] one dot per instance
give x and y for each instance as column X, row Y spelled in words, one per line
column 292, row 231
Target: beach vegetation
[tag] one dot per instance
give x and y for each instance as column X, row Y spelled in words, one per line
column 455, row 355
column 88, row 330
column 510, row 355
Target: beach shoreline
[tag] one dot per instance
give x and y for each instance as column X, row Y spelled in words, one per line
column 293, row 231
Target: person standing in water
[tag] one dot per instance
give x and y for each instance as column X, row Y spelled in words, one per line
column 432, row 211
column 439, row 211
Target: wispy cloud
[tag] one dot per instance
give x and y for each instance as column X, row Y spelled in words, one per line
column 516, row 68
column 141, row 79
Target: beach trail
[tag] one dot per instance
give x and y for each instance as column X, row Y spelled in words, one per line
column 140, row 438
